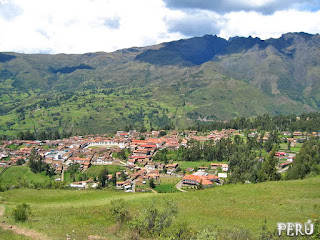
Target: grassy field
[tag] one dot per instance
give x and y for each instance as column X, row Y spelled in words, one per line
column 9, row 235
column 167, row 184
column 85, row 212
column 18, row 174
column 95, row 170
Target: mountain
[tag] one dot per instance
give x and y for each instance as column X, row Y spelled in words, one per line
column 175, row 83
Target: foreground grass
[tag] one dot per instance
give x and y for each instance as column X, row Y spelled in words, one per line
column 9, row 235
column 83, row 213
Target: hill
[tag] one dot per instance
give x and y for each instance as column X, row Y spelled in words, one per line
column 56, row 213
column 170, row 84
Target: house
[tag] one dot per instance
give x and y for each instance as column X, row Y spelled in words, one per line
column 190, row 169
column 223, row 166
column 203, row 169
column 280, row 154
column 222, row 175
column 172, row 168
column 173, row 165
column 124, row 185
column 195, row 180
column 285, row 164
column 297, row 133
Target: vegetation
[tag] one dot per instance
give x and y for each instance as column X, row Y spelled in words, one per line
column 37, row 165
column 103, row 177
column 55, row 96
column 22, row 176
column 118, row 209
column 244, row 208
column 307, row 161
column 9, row 235
column 21, row 212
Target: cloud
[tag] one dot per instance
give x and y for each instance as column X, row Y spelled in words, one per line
column 79, row 26
column 267, row 26
column 196, row 23
column 113, row 23
column 9, row 10
column 262, row 6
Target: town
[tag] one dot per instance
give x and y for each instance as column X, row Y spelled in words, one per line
column 133, row 158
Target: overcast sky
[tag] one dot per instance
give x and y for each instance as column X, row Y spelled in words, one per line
column 79, row 26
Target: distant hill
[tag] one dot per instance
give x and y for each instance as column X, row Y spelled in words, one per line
column 174, row 83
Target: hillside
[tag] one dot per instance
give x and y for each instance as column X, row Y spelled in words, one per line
column 168, row 84
column 57, row 213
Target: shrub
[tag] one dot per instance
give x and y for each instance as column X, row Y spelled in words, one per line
column 155, row 219
column 119, row 210
column 21, row 212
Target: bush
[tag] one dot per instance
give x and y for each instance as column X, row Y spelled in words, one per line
column 21, row 212
column 206, row 235
column 155, row 219
column 119, row 210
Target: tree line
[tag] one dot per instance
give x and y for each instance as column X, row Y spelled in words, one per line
column 309, row 122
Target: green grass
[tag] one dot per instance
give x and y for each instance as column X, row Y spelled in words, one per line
column 9, row 235
column 18, row 174
column 94, row 170
column 85, row 212
column 167, row 185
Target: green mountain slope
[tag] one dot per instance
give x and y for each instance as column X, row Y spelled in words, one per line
column 172, row 83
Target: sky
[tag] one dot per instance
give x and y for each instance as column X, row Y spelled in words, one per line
column 80, row 26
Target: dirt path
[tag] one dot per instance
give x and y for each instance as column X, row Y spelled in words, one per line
column 21, row 231
column 179, row 185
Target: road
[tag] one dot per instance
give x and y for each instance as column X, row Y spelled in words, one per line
column 283, row 169
column 179, row 185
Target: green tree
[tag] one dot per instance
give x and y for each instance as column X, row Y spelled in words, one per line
column 269, row 166
column 200, row 185
column 151, row 183
column 103, row 176
column 306, row 161
column 114, row 179
column 162, row 133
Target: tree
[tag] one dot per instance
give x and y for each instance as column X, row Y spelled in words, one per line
column 306, row 161
column 103, row 176
column 200, row 186
column 151, row 183
column 162, row 133
column 123, row 176
column 20, row 161
column 21, row 212
column 114, row 179
column 122, row 154
column 269, row 166
column 36, row 163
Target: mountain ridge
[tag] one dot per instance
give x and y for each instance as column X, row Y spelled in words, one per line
column 169, row 83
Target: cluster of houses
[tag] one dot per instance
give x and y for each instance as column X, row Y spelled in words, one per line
column 98, row 150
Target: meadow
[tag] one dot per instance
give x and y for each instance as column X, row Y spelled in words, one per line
column 80, row 213
column 168, row 184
